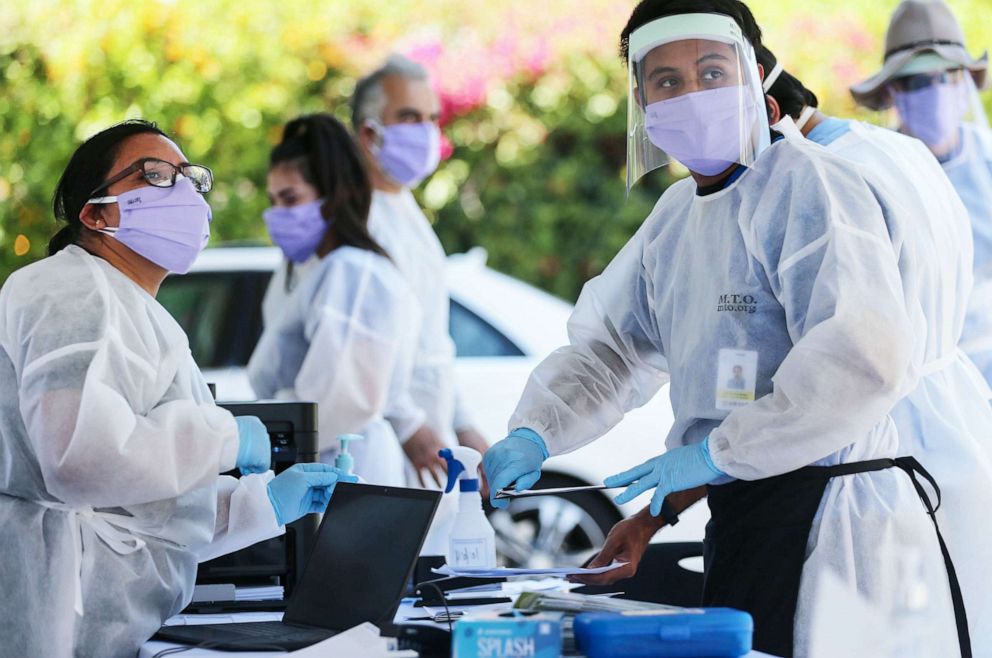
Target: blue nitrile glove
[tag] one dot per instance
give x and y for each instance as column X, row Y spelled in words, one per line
column 254, row 449
column 676, row 470
column 517, row 458
column 304, row 489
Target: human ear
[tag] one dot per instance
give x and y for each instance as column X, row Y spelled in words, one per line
column 774, row 110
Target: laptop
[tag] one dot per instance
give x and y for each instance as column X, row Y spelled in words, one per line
column 363, row 557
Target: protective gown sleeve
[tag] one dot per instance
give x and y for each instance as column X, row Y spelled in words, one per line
column 402, row 411
column 463, row 417
column 244, row 515
column 834, row 269
column 613, row 363
column 91, row 392
column 357, row 327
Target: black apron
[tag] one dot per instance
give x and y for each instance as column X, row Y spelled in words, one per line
column 756, row 545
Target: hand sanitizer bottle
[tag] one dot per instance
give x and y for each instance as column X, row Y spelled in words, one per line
column 472, row 543
column 344, row 461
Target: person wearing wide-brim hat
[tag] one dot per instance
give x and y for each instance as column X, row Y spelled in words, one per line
column 932, row 80
column 923, row 37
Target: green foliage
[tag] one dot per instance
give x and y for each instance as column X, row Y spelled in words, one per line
column 546, row 196
column 535, row 104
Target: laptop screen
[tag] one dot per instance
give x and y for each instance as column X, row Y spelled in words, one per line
column 365, row 551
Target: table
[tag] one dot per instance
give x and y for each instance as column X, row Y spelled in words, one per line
column 405, row 610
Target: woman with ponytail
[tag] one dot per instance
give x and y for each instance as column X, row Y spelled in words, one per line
column 345, row 330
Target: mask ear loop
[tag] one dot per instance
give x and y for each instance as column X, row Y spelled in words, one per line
column 379, row 131
column 100, row 200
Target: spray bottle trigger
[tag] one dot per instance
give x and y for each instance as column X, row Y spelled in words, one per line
column 455, row 468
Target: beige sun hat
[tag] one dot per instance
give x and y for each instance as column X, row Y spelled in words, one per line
column 919, row 26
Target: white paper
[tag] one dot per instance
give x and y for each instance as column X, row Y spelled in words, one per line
column 229, row 618
column 507, row 572
column 362, row 641
column 271, row 593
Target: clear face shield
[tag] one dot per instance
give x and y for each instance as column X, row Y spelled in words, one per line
column 695, row 96
column 933, row 106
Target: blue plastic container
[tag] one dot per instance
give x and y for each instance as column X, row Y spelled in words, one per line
column 685, row 633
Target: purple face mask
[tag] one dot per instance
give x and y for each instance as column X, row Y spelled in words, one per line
column 169, row 226
column 701, row 130
column 297, row 230
column 410, row 152
column 932, row 114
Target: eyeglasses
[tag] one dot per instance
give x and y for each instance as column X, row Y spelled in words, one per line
column 924, row 80
column 163, row 174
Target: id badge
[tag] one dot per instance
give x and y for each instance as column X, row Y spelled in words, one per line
column 737, row 373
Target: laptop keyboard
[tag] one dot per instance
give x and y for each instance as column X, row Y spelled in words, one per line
column 260, row 629
column 276, row 630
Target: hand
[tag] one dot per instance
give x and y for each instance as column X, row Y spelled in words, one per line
column 626, row 542
column 470, row 438
column 254, row 448
column 517, row 458
column 676, row 470
column 421, row 449
column 304, row 489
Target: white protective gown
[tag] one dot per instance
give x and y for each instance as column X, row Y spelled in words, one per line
column 946, row 423
column 790, row 273
column 110, row 450
column 399, row 225
column 345, row 338
column 970, row 172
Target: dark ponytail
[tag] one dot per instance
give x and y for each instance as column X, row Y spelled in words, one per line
column 88, row 167
column 788, row 91
column 325, row 154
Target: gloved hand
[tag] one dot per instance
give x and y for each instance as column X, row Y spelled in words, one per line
column 676, row 470
column 517, row 458
column 303, row 489
column 254, row 449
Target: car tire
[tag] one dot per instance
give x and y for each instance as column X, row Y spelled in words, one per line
column 553, row 531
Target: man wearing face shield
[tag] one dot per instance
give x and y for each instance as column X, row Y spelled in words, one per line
column 933, row 83
column 946, row 421
column 774, row 256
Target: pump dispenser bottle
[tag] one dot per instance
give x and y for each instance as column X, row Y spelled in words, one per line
column 472, row 542
column 344, row 461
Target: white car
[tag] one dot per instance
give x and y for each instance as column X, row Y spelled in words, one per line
column 501, row 328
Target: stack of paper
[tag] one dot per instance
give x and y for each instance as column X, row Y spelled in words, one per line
column 270, row 593
column 509, row 572
column 572, row 603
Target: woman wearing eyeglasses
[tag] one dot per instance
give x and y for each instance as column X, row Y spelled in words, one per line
column 110, row 444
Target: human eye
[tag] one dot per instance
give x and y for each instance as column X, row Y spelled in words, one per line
column 713, row 74
column 666, row 82
column 156, row 173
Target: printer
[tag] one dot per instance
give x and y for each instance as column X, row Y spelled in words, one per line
column 278, row 561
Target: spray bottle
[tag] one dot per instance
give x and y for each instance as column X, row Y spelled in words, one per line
column 472, row 542
column 344, row 461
